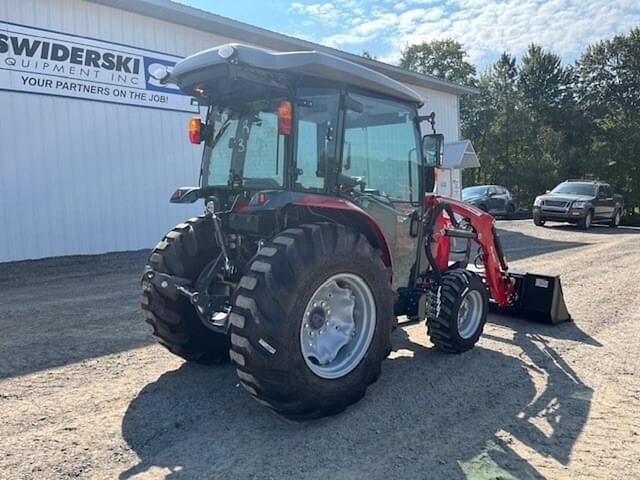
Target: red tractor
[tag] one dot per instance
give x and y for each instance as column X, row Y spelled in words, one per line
column 318, row 232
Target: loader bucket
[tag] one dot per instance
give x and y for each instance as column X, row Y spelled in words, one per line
column 539, row 298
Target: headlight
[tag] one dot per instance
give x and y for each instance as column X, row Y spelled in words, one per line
column 537, row 202
column 579, row 204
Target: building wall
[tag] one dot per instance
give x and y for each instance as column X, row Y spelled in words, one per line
column 84, row 177
column 447, row 113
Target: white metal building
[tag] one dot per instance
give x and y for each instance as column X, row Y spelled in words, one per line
column 90, row 147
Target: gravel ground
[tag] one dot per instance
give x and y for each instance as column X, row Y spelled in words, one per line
column 84, row 391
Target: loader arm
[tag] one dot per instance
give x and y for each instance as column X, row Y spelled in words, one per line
column 441, row 225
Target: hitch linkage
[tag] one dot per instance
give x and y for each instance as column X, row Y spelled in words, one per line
column 199, row 297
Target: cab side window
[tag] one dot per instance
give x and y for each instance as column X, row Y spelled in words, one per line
column 604, row 192
column 380, row 148
column 317, row 116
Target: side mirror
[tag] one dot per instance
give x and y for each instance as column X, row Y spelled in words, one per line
column 185, row 195
column 432, row 147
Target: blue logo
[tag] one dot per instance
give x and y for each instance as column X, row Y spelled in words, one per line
column 155, row 70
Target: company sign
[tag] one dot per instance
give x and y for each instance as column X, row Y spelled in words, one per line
column 40, row 61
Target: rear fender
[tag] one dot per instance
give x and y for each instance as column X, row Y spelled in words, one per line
column 356, row 215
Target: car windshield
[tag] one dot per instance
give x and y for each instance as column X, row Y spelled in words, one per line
column 575, row 188
column 247, row 149
column 473, row 191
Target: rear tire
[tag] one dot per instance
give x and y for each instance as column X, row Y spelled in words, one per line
column 184, row 252
column 457, row 311
column 269, row 321
column 615, row 221
column 539, row 222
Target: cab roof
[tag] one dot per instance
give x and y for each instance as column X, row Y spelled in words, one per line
column 198, row 67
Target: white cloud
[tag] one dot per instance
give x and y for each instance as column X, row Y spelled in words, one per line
column 324, row 12
column 484, row 27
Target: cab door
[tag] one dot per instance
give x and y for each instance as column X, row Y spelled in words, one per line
column 381, row 150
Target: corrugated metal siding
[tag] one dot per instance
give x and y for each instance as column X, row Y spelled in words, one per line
column 80, row 177
column 83, row 177
column 447, row 115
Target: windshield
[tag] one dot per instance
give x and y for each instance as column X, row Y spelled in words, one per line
column 473, row 191
column 575, row 188
column 247, row 149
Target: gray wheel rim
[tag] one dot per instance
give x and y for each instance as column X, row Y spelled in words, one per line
column 338, row 326
column 470, row 314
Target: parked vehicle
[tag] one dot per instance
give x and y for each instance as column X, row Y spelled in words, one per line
column 312, row 242
column 582, row 202
column 494, row 199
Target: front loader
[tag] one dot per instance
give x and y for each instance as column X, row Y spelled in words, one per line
column 319, row 231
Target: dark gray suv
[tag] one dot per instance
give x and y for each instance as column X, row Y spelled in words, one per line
column 582, row 202
column 494, row 199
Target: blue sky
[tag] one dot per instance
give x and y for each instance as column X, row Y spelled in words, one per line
column 484, row 27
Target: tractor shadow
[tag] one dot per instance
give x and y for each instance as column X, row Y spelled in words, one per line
column 518, row 245
column 430, row 415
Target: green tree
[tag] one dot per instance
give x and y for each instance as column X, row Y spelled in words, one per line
column 608, row 90
column 542, row 84
column 367, row 55
column 445, row 59
column 537, row 122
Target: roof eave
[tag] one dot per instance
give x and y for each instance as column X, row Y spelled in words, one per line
column 201, row 20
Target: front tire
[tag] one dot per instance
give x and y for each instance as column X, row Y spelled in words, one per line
column 457, row 311
column 537, row 221
column 183, row 252
column 585, row 223
column 286, row 298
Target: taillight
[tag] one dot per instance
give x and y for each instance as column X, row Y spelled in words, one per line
column 195, row 130
column 284, row 117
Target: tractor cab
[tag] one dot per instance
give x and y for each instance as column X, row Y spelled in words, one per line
column 306, row 128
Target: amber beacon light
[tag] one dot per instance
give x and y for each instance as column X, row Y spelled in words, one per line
column 195, row 130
